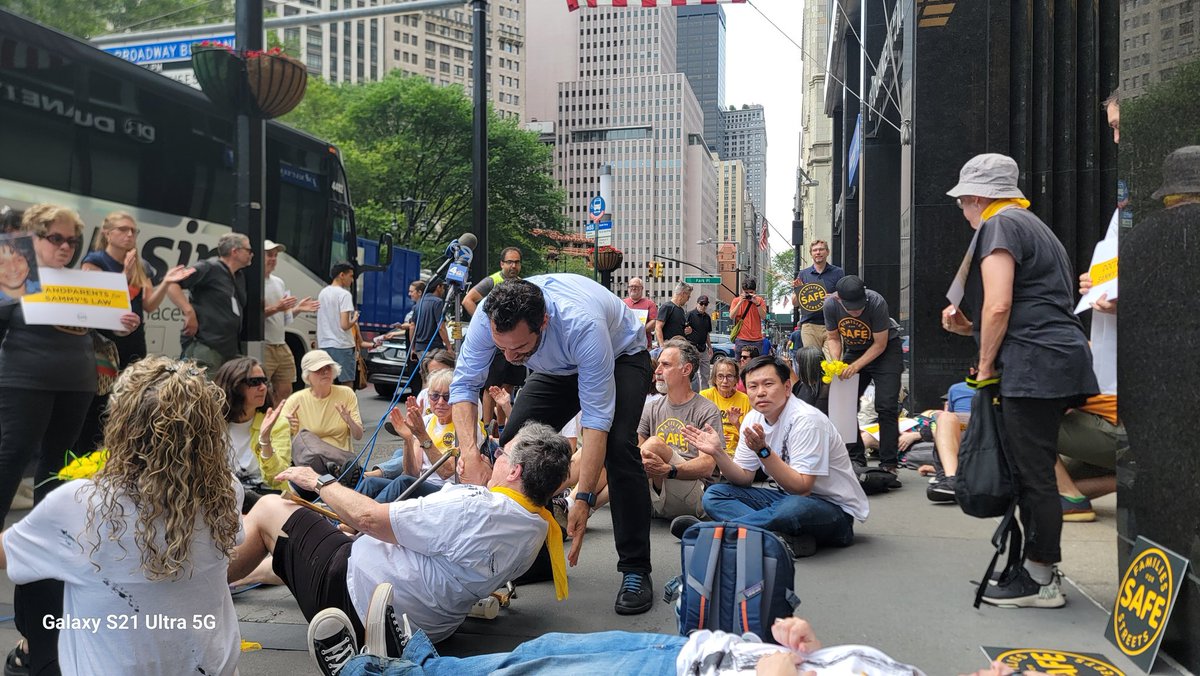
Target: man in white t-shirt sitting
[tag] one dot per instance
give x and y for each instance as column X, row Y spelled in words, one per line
column 440, row 553
column 336, row 318
column 818, row 498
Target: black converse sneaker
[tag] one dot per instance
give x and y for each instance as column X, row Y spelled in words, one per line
column 331, row 640
column 1020, row 590
column 386, row 634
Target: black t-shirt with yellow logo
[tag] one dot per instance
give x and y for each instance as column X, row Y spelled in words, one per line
column 814, row 287
column 858, row 333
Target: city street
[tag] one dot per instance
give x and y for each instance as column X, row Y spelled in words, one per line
column 904, row 587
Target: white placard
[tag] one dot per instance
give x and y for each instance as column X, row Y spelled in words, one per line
column 1103, row 271
column 843, row 407
column 84, row 298
column 642, row 315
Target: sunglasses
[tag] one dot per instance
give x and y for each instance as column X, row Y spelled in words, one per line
column 58, row 240
column 439, row 396
column 745, row 356
column 127, row 230
column 257, row 381
column 703, row 304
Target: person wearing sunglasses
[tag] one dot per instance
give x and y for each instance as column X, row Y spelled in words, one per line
column 215, row 303
column 47, row 375
column 260, row 448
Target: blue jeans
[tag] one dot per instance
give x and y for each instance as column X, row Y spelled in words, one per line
column 389, row 490
column 612, row 652
column 772, row 509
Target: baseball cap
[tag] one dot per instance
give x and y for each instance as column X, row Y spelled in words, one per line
column 702, row 300
column 852, row 292
column 268, row 245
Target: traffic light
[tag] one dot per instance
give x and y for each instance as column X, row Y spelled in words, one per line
column 650, row 269
column 716, row 315
column 659, row 270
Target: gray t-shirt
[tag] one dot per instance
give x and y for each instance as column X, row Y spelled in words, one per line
column 858, row 333
column 661, row 418
column 219, row 299
column 1045, row 353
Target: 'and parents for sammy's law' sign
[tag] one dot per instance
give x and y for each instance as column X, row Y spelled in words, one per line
column 85, row 298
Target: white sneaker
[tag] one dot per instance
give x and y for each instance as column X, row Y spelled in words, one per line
column 386, row 635
column 486, row 608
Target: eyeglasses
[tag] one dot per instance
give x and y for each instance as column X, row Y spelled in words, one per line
column 58, row 240
column 725, row 376
column 257, row 381
column 439, row 396
column 516, row 262
column 126, row 229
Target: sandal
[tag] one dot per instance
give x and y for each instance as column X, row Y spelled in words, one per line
column 17, row 662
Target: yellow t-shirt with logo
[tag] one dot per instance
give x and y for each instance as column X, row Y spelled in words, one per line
column 443, row 440
column 740, row 400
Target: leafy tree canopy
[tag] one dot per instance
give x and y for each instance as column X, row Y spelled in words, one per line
column 403, row 137
column 97, row 17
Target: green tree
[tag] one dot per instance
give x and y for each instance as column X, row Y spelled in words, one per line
column 402, row 138
column 97, row 17
column 779, row 282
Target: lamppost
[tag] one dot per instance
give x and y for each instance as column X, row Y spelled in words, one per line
column 413, row 210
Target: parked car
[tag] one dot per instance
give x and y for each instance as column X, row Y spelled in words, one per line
column 722, row 345
column 385, row 366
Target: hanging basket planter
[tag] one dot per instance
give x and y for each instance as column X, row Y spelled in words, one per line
column 276, row 81
column 607, row 259
column 219, row 72
column 270, row 83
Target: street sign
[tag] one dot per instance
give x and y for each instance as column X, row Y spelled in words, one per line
column 164, row 52
column 702, row 280
column 597, row 206
column 605, row 238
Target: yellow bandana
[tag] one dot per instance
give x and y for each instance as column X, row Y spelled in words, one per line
column 554, row 540
column 999, row 205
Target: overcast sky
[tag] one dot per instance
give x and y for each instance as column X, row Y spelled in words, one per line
column 762, row 66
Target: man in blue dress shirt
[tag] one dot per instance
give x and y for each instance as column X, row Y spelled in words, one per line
column 586, row 351
column 812, row 285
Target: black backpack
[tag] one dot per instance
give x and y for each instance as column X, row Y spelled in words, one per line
column 987, row 484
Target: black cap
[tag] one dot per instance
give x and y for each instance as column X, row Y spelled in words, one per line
column 702, row 300
column 852, row 292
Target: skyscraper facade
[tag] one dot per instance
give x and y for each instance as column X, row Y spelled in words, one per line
column 700, row 52
column 746, row 140
column 628, row 108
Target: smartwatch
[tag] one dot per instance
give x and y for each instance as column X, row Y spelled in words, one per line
column 674, row 471
column 324, row 480
column 589, row 498
column 764, row 452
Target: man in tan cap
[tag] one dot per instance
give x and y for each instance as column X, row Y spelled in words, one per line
column 279, row 307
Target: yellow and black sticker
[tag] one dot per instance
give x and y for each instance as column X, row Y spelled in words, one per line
column 1144, row 601
column 811, row 297
column 854, row 331
column 1053, row 661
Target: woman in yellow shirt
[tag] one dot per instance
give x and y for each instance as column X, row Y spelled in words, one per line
column 725, row 395
column 327, row 410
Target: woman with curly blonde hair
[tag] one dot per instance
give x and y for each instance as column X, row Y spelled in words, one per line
column 142, row 548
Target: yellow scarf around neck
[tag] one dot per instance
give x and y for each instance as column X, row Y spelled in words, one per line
column 554, row 539
column 999, row 205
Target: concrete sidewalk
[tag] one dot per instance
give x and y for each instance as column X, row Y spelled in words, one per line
column 904, row 587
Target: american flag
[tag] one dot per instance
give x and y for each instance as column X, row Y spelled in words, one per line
column 573, row 5
column 764, row 234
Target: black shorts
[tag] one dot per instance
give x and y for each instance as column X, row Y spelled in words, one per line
column 502, row 372
column 311, row 559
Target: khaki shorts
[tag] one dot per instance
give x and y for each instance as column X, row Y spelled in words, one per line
column 677, row 497
column 278, row 364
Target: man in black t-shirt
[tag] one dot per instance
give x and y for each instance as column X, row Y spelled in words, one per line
column 862, row 334
column 672, row 318
column 697, row 330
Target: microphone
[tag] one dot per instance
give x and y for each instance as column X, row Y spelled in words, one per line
column 467, row 241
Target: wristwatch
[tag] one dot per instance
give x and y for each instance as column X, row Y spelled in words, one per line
column 427, row 444
column 764, row 452
column 589, row 498
column 673, row 472
column 324, row 480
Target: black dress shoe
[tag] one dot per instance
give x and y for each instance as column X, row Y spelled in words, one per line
column 635, row 596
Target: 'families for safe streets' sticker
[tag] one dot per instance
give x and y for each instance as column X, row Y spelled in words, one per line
column 1053, row 661
column 1145, row 598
